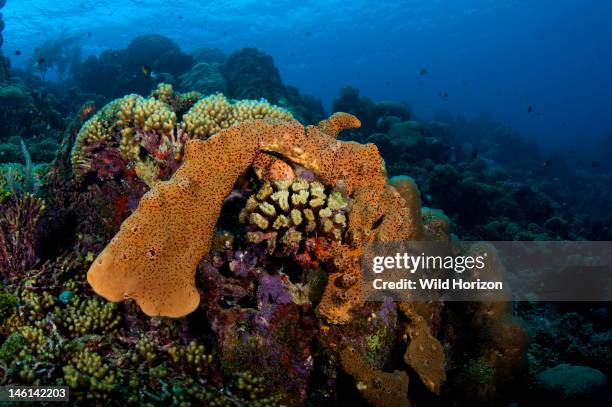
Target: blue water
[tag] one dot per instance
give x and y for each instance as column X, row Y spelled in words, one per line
column 553, row 55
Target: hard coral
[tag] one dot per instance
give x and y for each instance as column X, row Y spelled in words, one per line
column 18, row 226
column 143, row 134
column 215, row 113
column 285, row 213
column 126, row 125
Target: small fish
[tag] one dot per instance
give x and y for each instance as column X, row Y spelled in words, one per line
column 146, row 70
column 529, row 109
column 464, row 83
column 180, row 17
column 39, row 62
column 594, row 164
column 89, row 33
column 307, row 33
column 293, row 54
column 17, row 52
column 420, row 83
column 445, row 95
column 474, row 154
column 498, row 92
column 423, row 71
column 571, row 151
column 580, row 162
column 547, row 163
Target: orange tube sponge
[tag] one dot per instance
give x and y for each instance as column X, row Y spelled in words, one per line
column 154, row 256
column 337, row 122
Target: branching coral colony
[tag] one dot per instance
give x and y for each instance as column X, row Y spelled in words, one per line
column 254, row 225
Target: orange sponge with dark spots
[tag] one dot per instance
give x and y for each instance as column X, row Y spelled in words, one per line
column 154, row 256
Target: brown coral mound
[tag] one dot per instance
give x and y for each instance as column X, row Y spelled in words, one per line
column 377, row 387
column 153, row 257
column 425, row 353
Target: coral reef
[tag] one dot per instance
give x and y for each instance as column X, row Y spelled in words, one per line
column 251, row 74
column 308, row 170
column 15, row 110
column 373, row 115
column 34, row 114
column 456, row 176
column 118, row 72
column 205, row 78
column 254, row 226
column 18, row 222
column 209, row 55
column 567, row 385
column 61, row 54
column 289, row 211
column 215, row 113
column 378, row 388
column 144, row 135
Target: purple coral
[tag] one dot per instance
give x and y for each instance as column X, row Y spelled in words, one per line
column 108, row 164
column 273, row 290
column 243, row 262
column 165, row 146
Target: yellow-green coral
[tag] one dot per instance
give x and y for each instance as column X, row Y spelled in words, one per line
column 8, row 304
column 193, row 355
column 132, row 123
column 163, row 92
column 252, row 390
column 89, row 377
column 88, row 316
column 99, row 129
column 215, row 113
